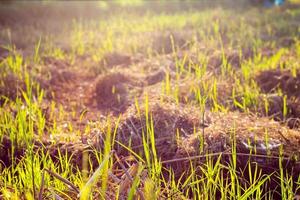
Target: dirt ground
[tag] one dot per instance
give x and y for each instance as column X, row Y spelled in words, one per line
column 179, row 129
column 270, row 82
column 160, row 90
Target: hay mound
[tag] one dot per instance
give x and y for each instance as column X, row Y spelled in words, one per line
column 56, row 75
column 59, row 77
column 6, row 151
column 275, row 109
column 57, row 72
column 58, row 63
column 116, row 91
column 11, row 87
column 250, row 133
column 74, row 150
column 115, row 59
column 163, row 43
column 171, row 123
column 271, row 80
column 155, row 77
column 245, row 128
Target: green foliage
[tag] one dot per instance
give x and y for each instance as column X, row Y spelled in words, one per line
column 220, row 45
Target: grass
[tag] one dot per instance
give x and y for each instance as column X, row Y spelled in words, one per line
column 211, row 57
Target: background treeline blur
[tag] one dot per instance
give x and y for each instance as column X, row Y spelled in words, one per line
column 39, row 18
column 18, row 10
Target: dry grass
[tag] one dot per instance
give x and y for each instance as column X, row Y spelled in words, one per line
column 150, row 105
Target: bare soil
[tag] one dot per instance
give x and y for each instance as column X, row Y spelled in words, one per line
column 11, row 87
column 116, row 59
column 182, row 133
column 270, row 82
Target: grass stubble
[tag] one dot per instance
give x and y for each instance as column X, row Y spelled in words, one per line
column 207, row 110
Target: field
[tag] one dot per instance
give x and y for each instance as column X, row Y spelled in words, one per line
column 149, row 100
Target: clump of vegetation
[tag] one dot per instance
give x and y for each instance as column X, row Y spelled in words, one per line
column 149, row 100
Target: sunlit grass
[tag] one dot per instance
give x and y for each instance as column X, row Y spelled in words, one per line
column 23, row 120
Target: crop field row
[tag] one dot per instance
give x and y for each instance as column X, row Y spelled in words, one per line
column 149, row 100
